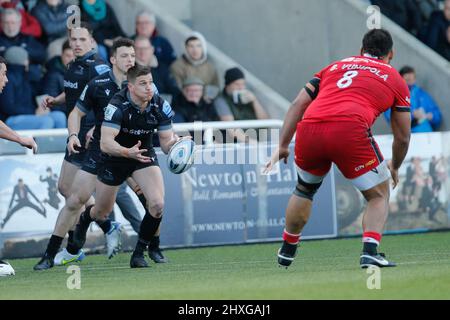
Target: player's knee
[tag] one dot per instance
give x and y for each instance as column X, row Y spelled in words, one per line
column 156, row 208
column 75, row 202
column 306, row 190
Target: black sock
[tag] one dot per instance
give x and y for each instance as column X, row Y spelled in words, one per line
column 154, row 243
column 72, row 248
column 105, row 225
column 85, row 218
column 370, row 248
column 149, row 226
column 141, row 245
column 142, row 199
column 53, row 246
column 70, row 237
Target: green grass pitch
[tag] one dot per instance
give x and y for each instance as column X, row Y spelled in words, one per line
column 325, row 269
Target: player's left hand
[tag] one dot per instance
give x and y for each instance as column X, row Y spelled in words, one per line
column 394, row 175
column 281, row 153
column 89, row 137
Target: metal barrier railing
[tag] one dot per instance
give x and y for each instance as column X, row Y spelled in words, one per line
column 206, row 127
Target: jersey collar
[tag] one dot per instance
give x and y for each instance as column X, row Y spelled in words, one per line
column 147, row 108
column 86, row 56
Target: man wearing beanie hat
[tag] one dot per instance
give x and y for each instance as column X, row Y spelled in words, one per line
column 190, row 105
column 237, row 102
column 17, row 105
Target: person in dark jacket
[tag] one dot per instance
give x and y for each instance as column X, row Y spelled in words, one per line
column 52, row 15
column 163, row 79
column 17, row 106
column 146, row 27
column 405, row 13
column 437, row 28
column 29, row 26
column 190, row 106
column 11, row 36
column 54, row 78
column 106, row 28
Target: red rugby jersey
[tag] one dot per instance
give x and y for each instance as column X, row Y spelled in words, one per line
column 359, row 89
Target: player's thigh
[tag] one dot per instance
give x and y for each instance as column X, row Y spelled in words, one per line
column 151, row 182
column 310, row 154
column 105, row 197
column 68, row 172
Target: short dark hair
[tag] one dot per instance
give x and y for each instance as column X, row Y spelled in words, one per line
column 378, row 43
column 83, row 25
column 66, row 46
column 190, row 39
column 136, row 71
column 3, row 60
column 406, row 70
column 121, row 42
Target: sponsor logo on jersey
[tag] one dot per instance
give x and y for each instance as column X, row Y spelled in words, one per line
column 107, row 91
column 109, row 112
column 102, row 68
column 167, row 109
column 71, row 85
column 83, row 94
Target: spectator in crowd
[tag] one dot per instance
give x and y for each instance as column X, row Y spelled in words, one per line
column 11, row 36
column 190, row 106
column 17, row 106
column 52, row 15
column 103, row 20
column 425, row 113
column 436, row 37
column 163, row 79
column 444, row 48
column 237, row 102
column 29, row 24
column 194, row 62
column 405, row 13
column 54, row 78
column 146, row 27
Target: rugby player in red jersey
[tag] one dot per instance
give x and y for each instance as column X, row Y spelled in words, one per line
column 332, row 117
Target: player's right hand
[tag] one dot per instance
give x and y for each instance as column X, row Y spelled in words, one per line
column 280, row 154
column 47, row 102
column 73, row 142
column 29, row 143
column 136, row 153
column 394, row 175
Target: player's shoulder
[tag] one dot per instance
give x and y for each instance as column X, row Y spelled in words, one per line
column 98, row 64
column 120, row 99
column 101, row 80
column 162, row 106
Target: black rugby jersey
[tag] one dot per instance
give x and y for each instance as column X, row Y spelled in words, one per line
column 122, row 114
column 78, row 74
column 95, row 97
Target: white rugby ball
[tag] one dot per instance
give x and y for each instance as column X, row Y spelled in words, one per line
column 181, row 156
column 6, row 269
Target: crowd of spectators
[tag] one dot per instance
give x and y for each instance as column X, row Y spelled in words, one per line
column 33, row 40
column 428, row 20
